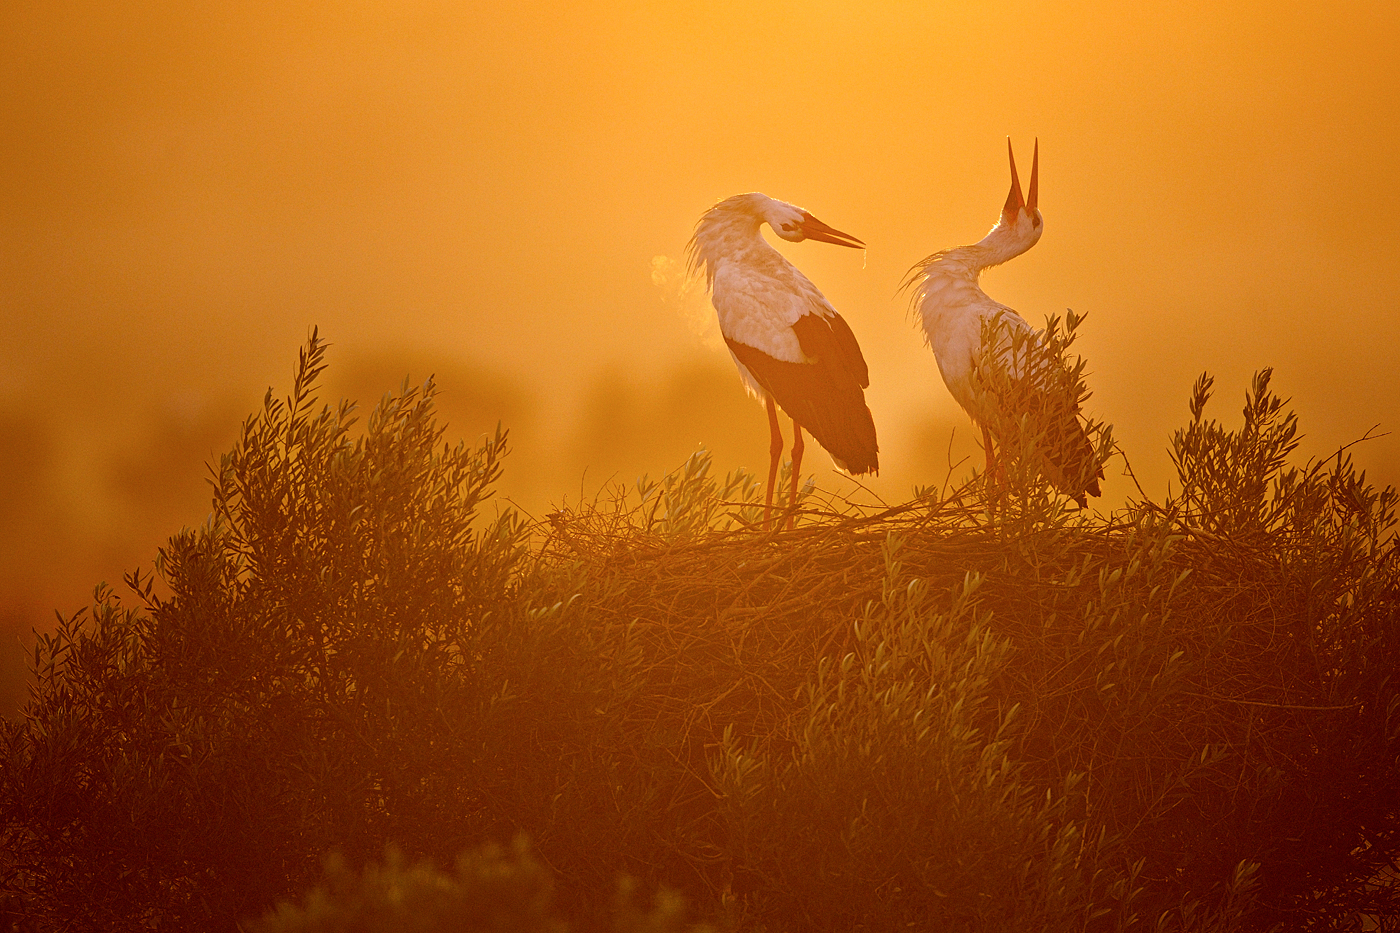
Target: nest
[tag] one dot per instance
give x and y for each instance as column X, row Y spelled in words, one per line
column 1226, row 699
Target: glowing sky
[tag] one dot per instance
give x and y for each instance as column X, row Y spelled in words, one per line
column 481, row 190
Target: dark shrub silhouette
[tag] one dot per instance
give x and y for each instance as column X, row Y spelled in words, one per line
column 981, row 710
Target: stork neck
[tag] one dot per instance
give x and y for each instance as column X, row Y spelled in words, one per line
column 734, row 233
column 1000, row 244
column 956, row 271
column 724, row 235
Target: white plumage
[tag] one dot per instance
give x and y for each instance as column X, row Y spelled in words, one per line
column 953, row 312
column 791, row 346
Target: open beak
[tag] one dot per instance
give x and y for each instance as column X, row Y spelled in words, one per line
column 814, row 229
column 1014, row 201
column 1035, row 172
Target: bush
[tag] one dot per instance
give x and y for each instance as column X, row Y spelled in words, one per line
column 960, row 713
column 1031, row 394
column 491, row 891
column 306, row 684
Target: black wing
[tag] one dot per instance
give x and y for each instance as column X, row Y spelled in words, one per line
column 825, row 395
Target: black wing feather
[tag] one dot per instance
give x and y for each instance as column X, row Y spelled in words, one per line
column 831, row 340
column 1066, row 453
column 825, row 395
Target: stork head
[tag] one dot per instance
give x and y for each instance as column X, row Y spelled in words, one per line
column 733, row 224
column 1020, row 214
column 793, row 223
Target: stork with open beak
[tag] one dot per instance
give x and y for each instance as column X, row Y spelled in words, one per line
column 952, row 309
column 792, row 349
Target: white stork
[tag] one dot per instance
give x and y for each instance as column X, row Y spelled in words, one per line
column 792, row 349
column 953, row 308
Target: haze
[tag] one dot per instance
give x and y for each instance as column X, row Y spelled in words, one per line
column 498, row 194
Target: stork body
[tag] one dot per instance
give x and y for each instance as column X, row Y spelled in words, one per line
column 953, row 312
column 792, row 348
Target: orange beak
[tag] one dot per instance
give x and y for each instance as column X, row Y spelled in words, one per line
column 814, row 229
column 1035, row 172
column 1014, row 201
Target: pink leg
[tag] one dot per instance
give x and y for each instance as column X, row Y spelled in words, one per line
column 993, row 464
column 775, row 455
column 797, row 448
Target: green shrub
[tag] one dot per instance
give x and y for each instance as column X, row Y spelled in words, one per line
column 491, row 891
column 900, row 804
column 959, row 713
column 1035, row 391
column 304, row 686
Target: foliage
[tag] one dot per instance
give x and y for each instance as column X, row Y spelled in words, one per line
column 902, row 790
column 185, row 763
column 492, row 891
column 966, row 712
column 489, row 891
column 1031, row 394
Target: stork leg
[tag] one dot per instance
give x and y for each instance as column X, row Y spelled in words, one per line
column 993, row 464
column 797, row 447
column 775, row 456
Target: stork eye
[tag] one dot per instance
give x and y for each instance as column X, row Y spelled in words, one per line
column 789, row 227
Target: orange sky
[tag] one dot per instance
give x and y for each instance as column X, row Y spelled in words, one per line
column 480, row 190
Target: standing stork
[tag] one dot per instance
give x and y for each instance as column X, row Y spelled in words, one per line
column 954, row 312
column 792, row 349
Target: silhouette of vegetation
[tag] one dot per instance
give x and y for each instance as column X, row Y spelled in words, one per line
column 970, row 711
column 1035, row 417
column 492, row 890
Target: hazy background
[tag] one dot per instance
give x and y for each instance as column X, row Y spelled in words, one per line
column 498, row 193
